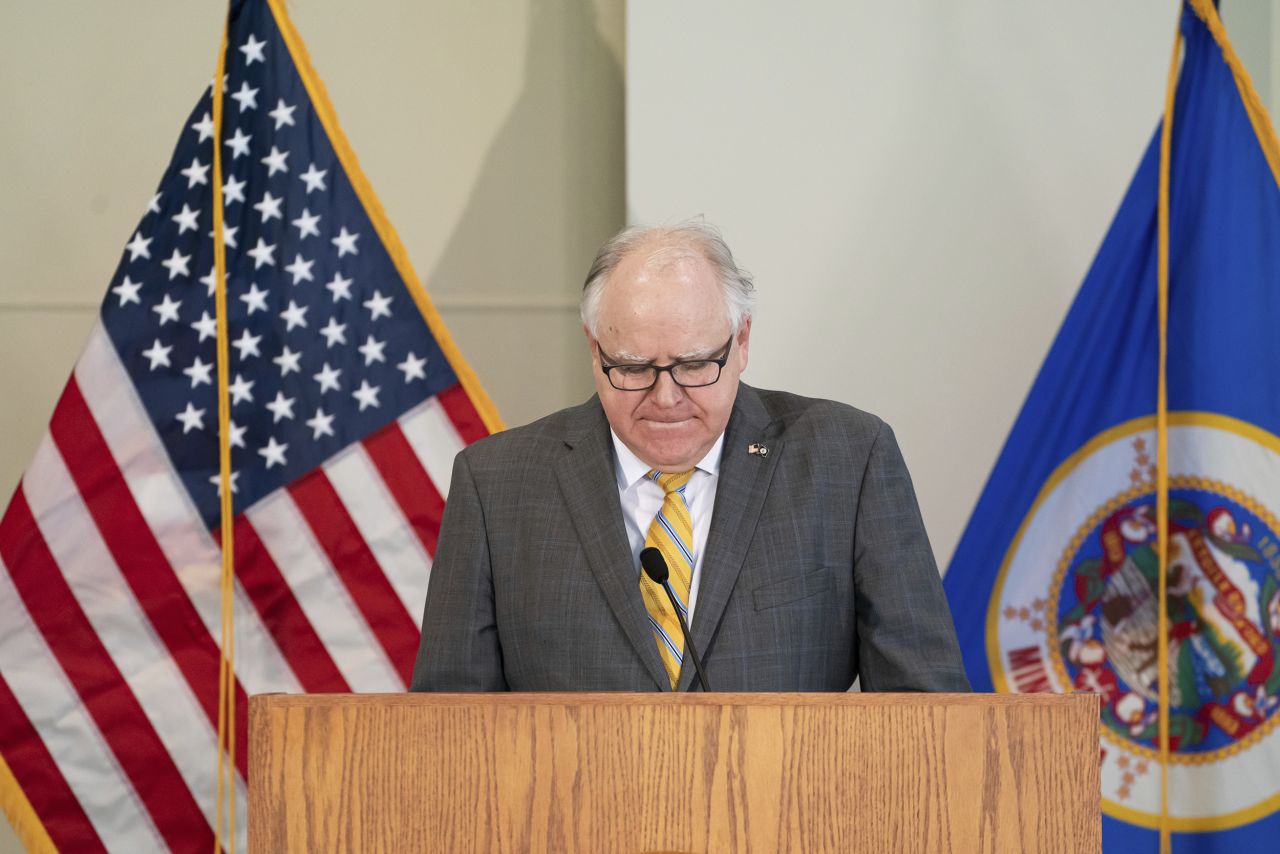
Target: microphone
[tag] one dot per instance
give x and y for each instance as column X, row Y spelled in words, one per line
column 655, row 566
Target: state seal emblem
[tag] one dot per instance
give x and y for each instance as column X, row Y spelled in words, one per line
column 1075, row 608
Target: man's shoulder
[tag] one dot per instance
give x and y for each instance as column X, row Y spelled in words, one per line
column 536, row 441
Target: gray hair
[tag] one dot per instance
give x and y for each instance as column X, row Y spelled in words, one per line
column 671, row 243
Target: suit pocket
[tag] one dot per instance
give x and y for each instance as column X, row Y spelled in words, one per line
column 792, row 589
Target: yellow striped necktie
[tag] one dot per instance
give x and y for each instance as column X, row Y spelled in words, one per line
column 671, row 532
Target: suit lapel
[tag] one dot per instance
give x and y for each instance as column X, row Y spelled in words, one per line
column 590, row 490
column 740, row 494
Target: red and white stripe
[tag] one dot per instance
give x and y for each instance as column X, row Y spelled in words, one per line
column 110, row 605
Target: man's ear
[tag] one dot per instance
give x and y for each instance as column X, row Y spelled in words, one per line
column 744, row 342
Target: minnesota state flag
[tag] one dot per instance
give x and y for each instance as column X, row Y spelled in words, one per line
column 1055, row 585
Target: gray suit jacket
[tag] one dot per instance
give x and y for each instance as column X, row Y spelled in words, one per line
column 817, row 568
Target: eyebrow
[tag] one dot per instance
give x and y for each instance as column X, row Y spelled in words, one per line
column 625, row 357
column 705, row 353
column 692, row 355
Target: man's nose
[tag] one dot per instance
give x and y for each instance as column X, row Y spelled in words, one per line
column 666, row 391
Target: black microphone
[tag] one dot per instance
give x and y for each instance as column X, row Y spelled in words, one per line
column 655, row 566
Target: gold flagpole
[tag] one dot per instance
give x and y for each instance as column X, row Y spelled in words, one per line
column 1162, row 441
column 226, row 670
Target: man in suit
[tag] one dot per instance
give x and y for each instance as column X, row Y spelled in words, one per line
column 789, row 525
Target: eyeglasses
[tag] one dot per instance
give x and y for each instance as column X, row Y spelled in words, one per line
column 693, row 373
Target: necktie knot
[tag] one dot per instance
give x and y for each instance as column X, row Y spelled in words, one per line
column 671, row 481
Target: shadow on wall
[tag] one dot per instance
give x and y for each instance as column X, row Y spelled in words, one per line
column 551, row 188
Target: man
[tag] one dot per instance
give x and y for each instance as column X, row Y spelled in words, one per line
column 788, row 525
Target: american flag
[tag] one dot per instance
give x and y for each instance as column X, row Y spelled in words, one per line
column 348, row 404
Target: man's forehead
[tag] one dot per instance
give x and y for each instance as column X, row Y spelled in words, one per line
column 659, row 259
column 686, row 291
column 663, row 256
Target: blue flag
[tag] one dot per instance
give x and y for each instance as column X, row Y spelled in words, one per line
column 1054, row 583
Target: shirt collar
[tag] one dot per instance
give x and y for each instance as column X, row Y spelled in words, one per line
column 630, row 468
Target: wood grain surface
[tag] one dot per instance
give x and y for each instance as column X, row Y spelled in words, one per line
column 674, row 772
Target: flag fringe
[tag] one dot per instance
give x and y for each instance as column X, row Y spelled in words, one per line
column 22, row 816
column 381, row 223
column 1263, row 128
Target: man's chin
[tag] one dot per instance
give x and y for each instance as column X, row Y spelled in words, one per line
column 671, row 445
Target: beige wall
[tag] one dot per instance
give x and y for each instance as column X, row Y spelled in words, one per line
column 491, row 129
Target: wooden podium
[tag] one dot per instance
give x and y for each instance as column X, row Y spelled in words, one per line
column 674, row 772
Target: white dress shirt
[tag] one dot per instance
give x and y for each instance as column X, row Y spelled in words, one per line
column 641, row 500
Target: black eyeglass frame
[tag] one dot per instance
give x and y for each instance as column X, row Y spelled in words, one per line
column 719, row 362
